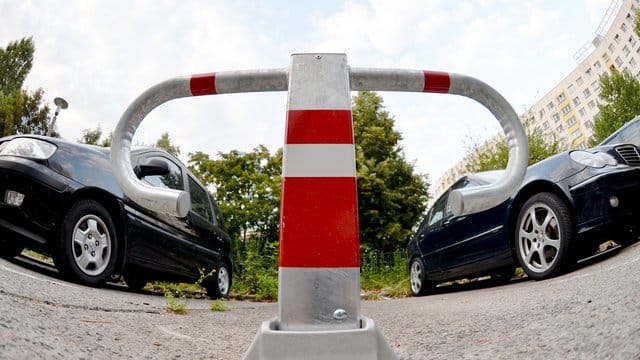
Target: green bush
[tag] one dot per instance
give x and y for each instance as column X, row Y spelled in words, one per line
column 386, row 272
column 258, row 273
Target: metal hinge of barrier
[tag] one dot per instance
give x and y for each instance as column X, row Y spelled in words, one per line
column 319, row 264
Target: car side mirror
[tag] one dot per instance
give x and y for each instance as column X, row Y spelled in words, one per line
column 153, row 167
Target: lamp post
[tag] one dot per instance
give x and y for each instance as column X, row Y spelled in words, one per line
column 60, row 104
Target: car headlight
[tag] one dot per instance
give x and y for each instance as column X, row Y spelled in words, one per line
column 29, row 148
column 597, row 160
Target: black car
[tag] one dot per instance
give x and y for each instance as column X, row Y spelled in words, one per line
column 566, row 206
column 628, row 133
column 62, row 199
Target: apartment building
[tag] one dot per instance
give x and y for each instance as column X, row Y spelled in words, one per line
column 569, row 110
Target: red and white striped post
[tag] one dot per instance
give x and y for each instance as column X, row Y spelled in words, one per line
column 319, row 243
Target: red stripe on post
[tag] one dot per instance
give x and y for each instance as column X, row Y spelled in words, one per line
column 319, row 223
column 436, row 82
column 203, row 84
column 319, row 127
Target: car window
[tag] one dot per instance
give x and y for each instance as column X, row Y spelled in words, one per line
column 199, row 200
column 461, row 184
column 172, row 180
column 437, row 211
column 629, row 134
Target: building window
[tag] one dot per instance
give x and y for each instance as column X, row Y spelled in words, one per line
column 595, row 86
column 545, row 125
column 566, row 109
column 626, row 50
column 576, row 134
column 582, row 112
column 632, row 62
column 572, row 121
column 617, row 39
column 560, row 98
column 588, row 72
column 611, row 48
column 597, row 65
column 556, row 117
column 586, row 93
column 576, row 101
column 579, row 81
column 588, row 124
column 550, row 106
column 582, row 146
column 541, row 113
column 632, row 41
column 605, row 57
column 559, row 128
column 592, row 104
column 618, row 61
column 571, row 89
column 623, row 27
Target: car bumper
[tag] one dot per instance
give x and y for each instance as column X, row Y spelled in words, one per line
column 44, row 190
column 607, row 204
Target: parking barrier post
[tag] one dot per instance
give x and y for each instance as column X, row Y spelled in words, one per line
column 319, row 293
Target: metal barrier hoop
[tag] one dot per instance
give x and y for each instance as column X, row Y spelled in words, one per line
column 462, row 201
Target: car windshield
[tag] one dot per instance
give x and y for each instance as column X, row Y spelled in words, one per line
column 629, row 133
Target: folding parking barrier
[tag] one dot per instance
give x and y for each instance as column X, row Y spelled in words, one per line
column 319, row 266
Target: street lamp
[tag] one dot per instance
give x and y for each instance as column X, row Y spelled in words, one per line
column 60, row 104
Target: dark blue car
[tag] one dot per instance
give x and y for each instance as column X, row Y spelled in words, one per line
column 566, row 206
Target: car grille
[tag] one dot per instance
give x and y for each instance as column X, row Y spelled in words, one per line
column 629, row 153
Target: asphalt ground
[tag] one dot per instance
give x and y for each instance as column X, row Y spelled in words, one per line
column 590, row 313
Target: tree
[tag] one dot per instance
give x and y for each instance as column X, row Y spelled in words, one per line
column 494, row 154
column 16, row 61
column 165, row 143
column 620, row 95
column 247, row 186
column 21, row 112
column 91, row 137
column 391, row 197
column 636, row 27
column 94, row 137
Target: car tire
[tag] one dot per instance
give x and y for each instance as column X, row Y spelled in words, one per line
column 218, row 284
column 418, row 277
column 543, row 236
column 88, row 245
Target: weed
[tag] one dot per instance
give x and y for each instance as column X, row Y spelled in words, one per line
column 175, row 306
column 38, row 256
column 218, row 305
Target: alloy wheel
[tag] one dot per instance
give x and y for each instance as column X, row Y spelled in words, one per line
column 539, row 237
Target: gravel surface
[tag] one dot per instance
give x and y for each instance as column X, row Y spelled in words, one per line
column 591, row 313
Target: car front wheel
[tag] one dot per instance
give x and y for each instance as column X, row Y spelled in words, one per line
column 88, row 246
column 219, row 284
column 543, row 236
column 418, row 277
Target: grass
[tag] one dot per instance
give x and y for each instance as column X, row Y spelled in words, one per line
column 218, row 305
column 174, row 305
column 36, row 255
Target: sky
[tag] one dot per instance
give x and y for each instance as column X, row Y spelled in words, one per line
column 101, row 55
